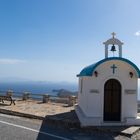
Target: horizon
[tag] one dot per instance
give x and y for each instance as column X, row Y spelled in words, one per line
column 54, row 40
column 20, row 80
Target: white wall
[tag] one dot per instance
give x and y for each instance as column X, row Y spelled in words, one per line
column 92, row 103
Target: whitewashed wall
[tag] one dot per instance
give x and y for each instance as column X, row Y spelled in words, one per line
column 92, row 103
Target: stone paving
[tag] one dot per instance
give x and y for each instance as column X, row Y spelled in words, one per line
column 37, row 107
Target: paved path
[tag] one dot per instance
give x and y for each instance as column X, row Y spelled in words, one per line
column 18, row 128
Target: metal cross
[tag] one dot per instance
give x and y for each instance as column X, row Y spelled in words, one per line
column 113, row 34
column 113, row 68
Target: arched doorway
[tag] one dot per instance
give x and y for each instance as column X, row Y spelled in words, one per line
column 112, row 100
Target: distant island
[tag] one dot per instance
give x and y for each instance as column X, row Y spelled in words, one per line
column 65, row 93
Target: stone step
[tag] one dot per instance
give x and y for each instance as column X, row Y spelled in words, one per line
column 130, row 130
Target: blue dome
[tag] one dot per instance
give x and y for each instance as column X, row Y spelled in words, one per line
column 87, row 71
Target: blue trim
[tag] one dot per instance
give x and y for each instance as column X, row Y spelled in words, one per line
column 87, row 71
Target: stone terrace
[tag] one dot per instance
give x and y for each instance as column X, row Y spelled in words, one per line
column 37, row 108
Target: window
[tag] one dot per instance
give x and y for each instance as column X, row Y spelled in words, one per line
column 81, row 85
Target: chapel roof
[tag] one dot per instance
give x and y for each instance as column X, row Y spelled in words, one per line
column 88, row 71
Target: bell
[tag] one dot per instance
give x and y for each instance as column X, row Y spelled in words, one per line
column 113, row 49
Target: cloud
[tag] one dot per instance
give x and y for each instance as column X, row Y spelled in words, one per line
column 11, row 61
column 137, row 33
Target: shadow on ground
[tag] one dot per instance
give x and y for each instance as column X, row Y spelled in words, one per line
column 67, row 125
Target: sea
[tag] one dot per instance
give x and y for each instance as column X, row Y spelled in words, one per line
column 40, row 87
column 37, row 87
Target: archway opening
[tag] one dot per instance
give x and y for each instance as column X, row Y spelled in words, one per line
column 112, row 100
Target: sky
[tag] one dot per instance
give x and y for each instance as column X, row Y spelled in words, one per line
column 52, row 40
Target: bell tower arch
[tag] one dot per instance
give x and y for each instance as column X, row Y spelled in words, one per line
column 113, row 41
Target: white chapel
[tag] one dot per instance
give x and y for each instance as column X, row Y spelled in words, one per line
column 108, row 90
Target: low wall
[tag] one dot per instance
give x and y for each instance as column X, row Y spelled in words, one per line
column 70, row 100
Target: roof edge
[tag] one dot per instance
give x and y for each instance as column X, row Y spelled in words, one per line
column 87, row 71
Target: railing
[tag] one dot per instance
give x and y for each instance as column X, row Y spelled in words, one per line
column 70, row 100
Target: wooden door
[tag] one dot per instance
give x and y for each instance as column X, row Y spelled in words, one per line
column 112, row 100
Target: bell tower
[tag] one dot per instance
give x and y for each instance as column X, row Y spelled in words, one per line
column 114, row 42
